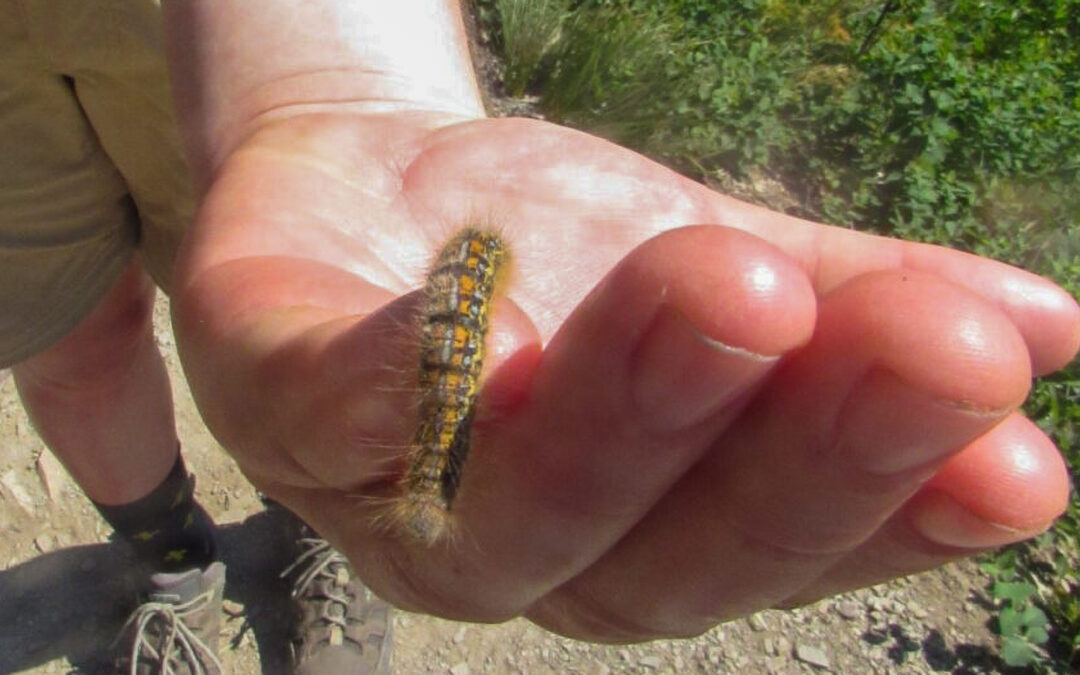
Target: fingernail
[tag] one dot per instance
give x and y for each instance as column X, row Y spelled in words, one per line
column 943, row 520
column 887, row 426
column 682, row 377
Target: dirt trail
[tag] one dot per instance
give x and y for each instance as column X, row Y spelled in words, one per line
column 63, row 594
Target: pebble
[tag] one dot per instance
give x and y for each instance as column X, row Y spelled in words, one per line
column 783, row 645
column 232, row 608
column 651, row 661
column 461, row 668
column 459, row 636
column 757, row 623
column 10, row 481
column 849, row 609
column 716, row 656
column 53, row 477
column 813, row 655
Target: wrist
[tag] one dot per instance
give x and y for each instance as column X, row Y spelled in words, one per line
column 237, row 66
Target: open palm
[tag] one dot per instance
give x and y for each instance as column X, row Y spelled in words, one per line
column 679, row 425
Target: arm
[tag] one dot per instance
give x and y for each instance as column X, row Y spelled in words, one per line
column 649, row 383
column 237, row 66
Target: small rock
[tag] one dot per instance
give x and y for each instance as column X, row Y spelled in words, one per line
column 849, row 609
column 716, row 656
column 757, row 622
column 54, row 478
column 651, row 661
column 461, row 668
column 770, row 647
column 877, row 654
column 813, row 655
column 44, row 543
column 783, row 645
column 600, row 669
column 918, row 611
column 232, row 608
column 14, row 487
column 459, row 636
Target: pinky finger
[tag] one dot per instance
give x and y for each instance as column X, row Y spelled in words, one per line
column 1007, row 486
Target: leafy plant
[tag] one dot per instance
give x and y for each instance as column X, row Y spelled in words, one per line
column 1021, row 625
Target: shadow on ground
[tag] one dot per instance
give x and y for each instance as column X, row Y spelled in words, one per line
column 72, row 602
column 963, row 659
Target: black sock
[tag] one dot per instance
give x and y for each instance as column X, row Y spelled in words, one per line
column 169, row 531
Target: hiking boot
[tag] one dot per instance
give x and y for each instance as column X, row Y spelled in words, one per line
column 176, row 629
column 342, row 628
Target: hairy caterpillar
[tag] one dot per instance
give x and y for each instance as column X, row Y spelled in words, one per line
column 454, row 323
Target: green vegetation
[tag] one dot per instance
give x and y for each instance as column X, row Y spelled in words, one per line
column 533, row 28
column 950, row 122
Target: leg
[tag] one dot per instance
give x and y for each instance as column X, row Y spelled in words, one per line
column 75, row 311
column 100, row 397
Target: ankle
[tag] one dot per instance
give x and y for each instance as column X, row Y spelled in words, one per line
column 167, row 529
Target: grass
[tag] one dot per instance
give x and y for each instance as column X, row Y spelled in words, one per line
column 529, row 31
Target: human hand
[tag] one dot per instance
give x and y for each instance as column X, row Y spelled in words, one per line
column 679, row 425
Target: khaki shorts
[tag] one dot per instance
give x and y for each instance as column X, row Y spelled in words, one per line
column 91, row 169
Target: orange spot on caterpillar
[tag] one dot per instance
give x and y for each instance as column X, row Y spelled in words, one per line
column 454, row 323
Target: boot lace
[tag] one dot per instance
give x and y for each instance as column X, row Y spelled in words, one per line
column 164, row 638
column 318, row 561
